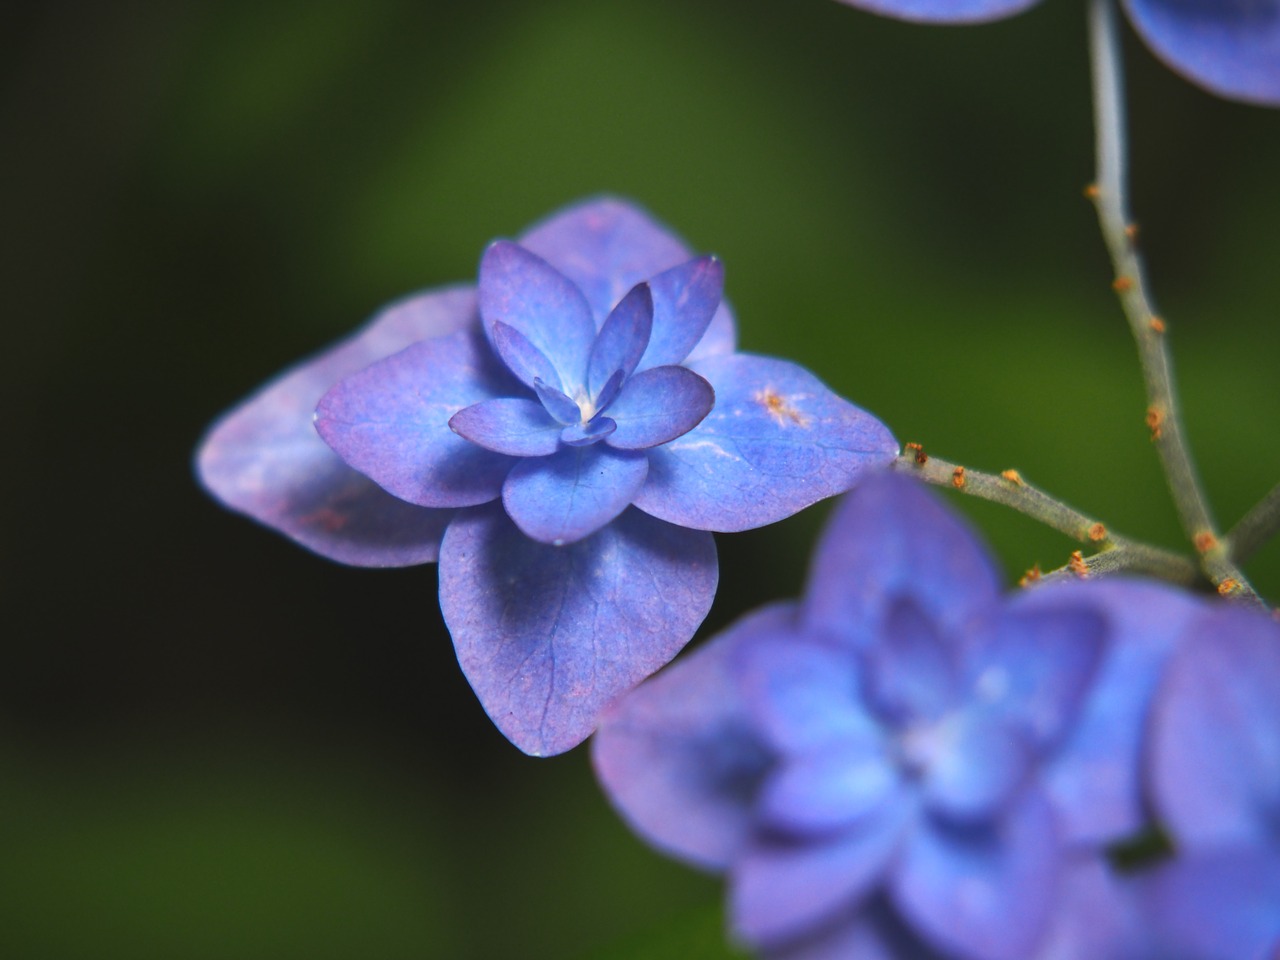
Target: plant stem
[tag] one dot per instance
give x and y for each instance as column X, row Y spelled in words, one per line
column 1257, row 526
column 1116, row 553
column 1110, row 196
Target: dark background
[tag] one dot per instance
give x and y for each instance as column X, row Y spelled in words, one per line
column 213, row 744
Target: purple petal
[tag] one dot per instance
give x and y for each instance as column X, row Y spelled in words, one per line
column 678, row 756
column 605, row 246
column 804, row 696
column 721, row 337
column 982, row 893
column 265, row 459
column 510, row 425
column 829, row 789
column 573, row 493
column 943, row 11
column 1095, row 777
column 1215, row 751
column 685, row 298
column 1231, row 47
column 1215, row 905
column 978, row 762
column 891, row 538
column 1035, row 666
column 780, row 890
column 621, row 341
column 777, row 441
column 584, row 434
column 548, row 636
column 873, row 932
column 1096, row 919
column 911, row 673
column 390, row 421
column 525, row 292
column 559, row 406
column 659, row 405
column 526, row 362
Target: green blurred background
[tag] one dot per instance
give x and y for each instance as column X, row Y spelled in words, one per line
column 215, row 745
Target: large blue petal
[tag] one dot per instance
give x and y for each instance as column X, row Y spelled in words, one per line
column 621, row 341
column 1095, row 777
column 658, row 405
column 1215, row 751
column 390, row 421
column 685, row 299
column 265, row 459
column 982, row 893
column 780, row 889
column 526, row 293
column 549, row 636
column 777, row 441
column 890, row 539
column 1231, row 47
column 573, row 493
column 944, row 11
column 511, row 425
column 678, row 756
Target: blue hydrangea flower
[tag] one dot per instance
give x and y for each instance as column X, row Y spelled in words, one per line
column 1230, row 47
column 562, row 438
column 888, row 767
column 1214, row 776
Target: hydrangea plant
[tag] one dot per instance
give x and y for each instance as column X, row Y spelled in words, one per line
column 905, row 759
column 562, row 438
column 1231, row 47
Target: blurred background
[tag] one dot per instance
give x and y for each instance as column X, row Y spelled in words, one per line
column 213, row 744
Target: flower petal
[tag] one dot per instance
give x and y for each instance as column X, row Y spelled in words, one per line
column 390, row 421
column 777, row 441
column 982, row 892
column 659, row 405
column 1215, row 745
column 978, row 762
column 685, row 298
column 605, row 246
column 891, row 539
column 779, row 890
column 573, row 493
column 873, row 932
column 559, row 406
column 265, row 459
column 912, row 674
column 1231, row 47
column 829, row 789
column 548, row 636
column 1214, row 904
column 621, row 341
column 943, row 11
column 1095, row 777
column 511, row 425
column 804, row 695
column 1035, row 666
column 678, row 756
column 526, row 362
column 525, row 292
column 584, row 434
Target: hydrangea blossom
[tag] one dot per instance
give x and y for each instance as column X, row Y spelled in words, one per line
column 1214, row 777
column 887, row 768
column 562, row 438
column 1231, row 47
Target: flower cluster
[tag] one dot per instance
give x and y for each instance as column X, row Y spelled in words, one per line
column 907, row 764
column 562, row 438
column 1231, row 47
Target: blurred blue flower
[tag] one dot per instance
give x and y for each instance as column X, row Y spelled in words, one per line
column 1230, row 47
column 561, row 439
column 879, row 766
